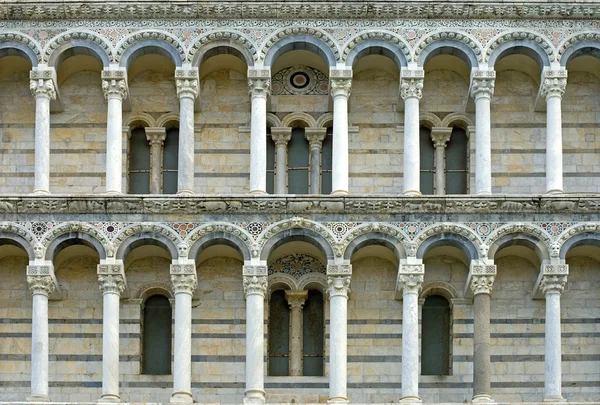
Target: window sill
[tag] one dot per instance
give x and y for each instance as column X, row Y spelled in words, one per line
column 296, row 379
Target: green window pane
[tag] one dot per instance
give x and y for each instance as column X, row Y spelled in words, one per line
column 435, row 336
column 156, row 332
column 139, row 150
column 327, row 151
column 313, row 324
column 456, row 162
column 426, row 149
column 169, row 182
column 270, row 163
column 326, row 183
column 279, row 336
column 456, row 183
column 171, row 149
column 139, row 183
column 298, row 150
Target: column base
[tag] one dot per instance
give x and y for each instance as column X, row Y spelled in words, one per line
column 484, row 193
column 254, row 396
column 410, row 399
column 182, row 396
column 340, row 192
column 38, row 398
column 258, row 192
column 482, row 398
column 412, row 193
column 184, row 192
column 41, row 192
column 113, row 192
column 555, row 191
column 109, row 398
column 554, row 398
column 338, row 400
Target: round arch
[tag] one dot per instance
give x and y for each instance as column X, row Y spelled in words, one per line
column 290, row 118
column 12, row 48
column 301, row 42
column 523, row 44
column 77, row 43
column 222, row 42
column 7, row 238
column 580, row 239
column 448, row 47
column 74, row 238
column 377, row 43
column 375, row 239
column 447, row 238
column 219, row 238
column 520, row 234
column 587, row 47
column 146, row 238
column 429, row 120
column 443, row 289
column 297, row 234
column 325, row 120
column 157, row 43
column 457, row 119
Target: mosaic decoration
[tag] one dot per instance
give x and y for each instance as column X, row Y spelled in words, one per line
column 297, row 265
column 299, row 80
column 38, row 229
column 253, row 228
column 183, row 228
column 340, row 229
column 110, row 229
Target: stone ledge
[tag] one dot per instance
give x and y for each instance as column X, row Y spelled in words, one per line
column 301, row 403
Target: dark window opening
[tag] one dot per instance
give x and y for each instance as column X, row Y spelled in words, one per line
column 427, row 156
column 456, row 162
column 279, row 335
column 156, row 333
column 139, row 162
column 435, row 336
column 298, row 151
column 326, row 162
column 313, row 339
column 170, row 161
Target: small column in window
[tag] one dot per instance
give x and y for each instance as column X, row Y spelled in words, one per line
column 296, row 301
column 440, row 137
column 156, row 137
column 281, row 137
column 315, row 137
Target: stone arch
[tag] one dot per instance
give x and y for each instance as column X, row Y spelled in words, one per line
column 165, row 119
column 12, row 234
column 290, row 118
column 75, row 43
column 135, row 235
column 459, row 120
column 273, row 120
column 374, row 234
column 524, row 42
column 446, row 290
column 313, row 278
column 429, row 120
column 219, row 233
column 67, row 234
column 143, row 42
column 458, row 44
column 383, row 43
column 455, row 235
column 277, row 280
column 147, row 290
column 579, row 44
column 219, row 42
column 298, row 229
column 585, row 238
column 520, row 234
column 572, row 237
column 17, row 44
column 325, row 120
column 146, row 119
column 310, row 39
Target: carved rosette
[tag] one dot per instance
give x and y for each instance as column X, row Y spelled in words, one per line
column 296, row 299
column 42, row 88
column 410, row 283
column 553, row 284
column 255, row 285
column 482, row 284
column 184, row 283
column 554, row 83
column 483, row 84
column 114, row 84
column 338, row 286
column 340, row 87
column 111, row 283
column 42, row 285
column 187, row 83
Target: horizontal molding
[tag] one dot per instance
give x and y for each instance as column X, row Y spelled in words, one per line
column 55, row 174
column 221, row 175
column 73, row 321
column 496, row 321
column 529, row 335
column 222, row 151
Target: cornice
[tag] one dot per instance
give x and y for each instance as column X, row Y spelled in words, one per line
column 94, row 9
column 243, row 204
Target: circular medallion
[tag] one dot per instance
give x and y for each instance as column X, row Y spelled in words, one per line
column 299, row 80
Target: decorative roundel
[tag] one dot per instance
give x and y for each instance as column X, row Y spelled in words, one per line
column 299, row 80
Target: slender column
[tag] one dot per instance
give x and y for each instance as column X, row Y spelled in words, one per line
column 481, row 286
column 296, row 300
column 411, row 86
column 340, row 83
column 156, row 137
column 259, row 84
column 410, row 280
column 553, row 87
column 552, row 287
column 187, row 83
column 41, row 285
column 482, row 89
column 114, row 84
column 281, row 137
column 315, row 137
column 112, row 284
column 255, row 288
column 43, row 88
column 440, row 137
column 184, row 282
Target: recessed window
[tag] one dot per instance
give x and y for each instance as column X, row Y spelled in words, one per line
column 156, row 335
column 435, row 336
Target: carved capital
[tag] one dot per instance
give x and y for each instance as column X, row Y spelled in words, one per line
column 554, row 83
column 296, row 299
column 259, row 82
column 114, row 84
column 410, row 283
column 340, row 87
column 482, row 284
column 482, row 84
column 187, row 82
column 315, row 137
column 440, row 136
column 111, row 283
column 255, row 285
column 156, row 136
column 184, row 283
column 43, row 88
column 281, row 136
column 338, row 286
column 411, row 83
column 553, row 284
column 42, row 285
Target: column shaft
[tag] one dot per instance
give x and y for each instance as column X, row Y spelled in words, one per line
column 42, row 144
column 259, row 83
column 185, row 164
column 296, row 300
column 315, row 170
column 412, row 158
column 255, row 289
column 339, row 287
column 114, row 156
column 110, row 347
column 410, row 345
column 156, row 137
column 554, row 160
column 481, row 348
column 440, row 174
column 280, row 175
column 340, row 145
column 483, row 145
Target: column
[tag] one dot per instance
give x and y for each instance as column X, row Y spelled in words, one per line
column 552, row 287
column 156, row 137
column 481, row 286
column 482, row 89
column 259, row 84
column 281, row 137
column 410, row 280
column 114, row 85
column 42, row 85
column 440, row 137
column 553, row 87
column 112, row 284
column 340, row 83
column 187, row 83
column 315, row 137
column 255, row 288
column 183, row 279
column 338, row 288
column 41, row 285
column 296, row 300
column 411, row 86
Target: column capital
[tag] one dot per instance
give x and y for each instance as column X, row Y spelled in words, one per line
column 42, row 82
column 255, row 279
column 111, row 283
column 411, row 83
column 187, row 82
column 340, row 82
column 554, row 83
column 156, row 135
column 259, row 82
column 410, row 283
column 40, row 284
column 338, row 285
column 296, row 299
column 114, row 83
column 482, row 284
column 440, row 136
column 553, row 284
column 482, row 83
column 184, row 283
column 281, row 135
column 315, row 136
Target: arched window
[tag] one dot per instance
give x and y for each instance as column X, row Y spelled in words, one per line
column 435, row 336
column 139, row 162
column 156, row 335
column 279, row 336
column 170, row 161
column 456, row 162
column 313, row 327
column 298, row 152
column 270, row 162
column 427, row 161
column 326, row 162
